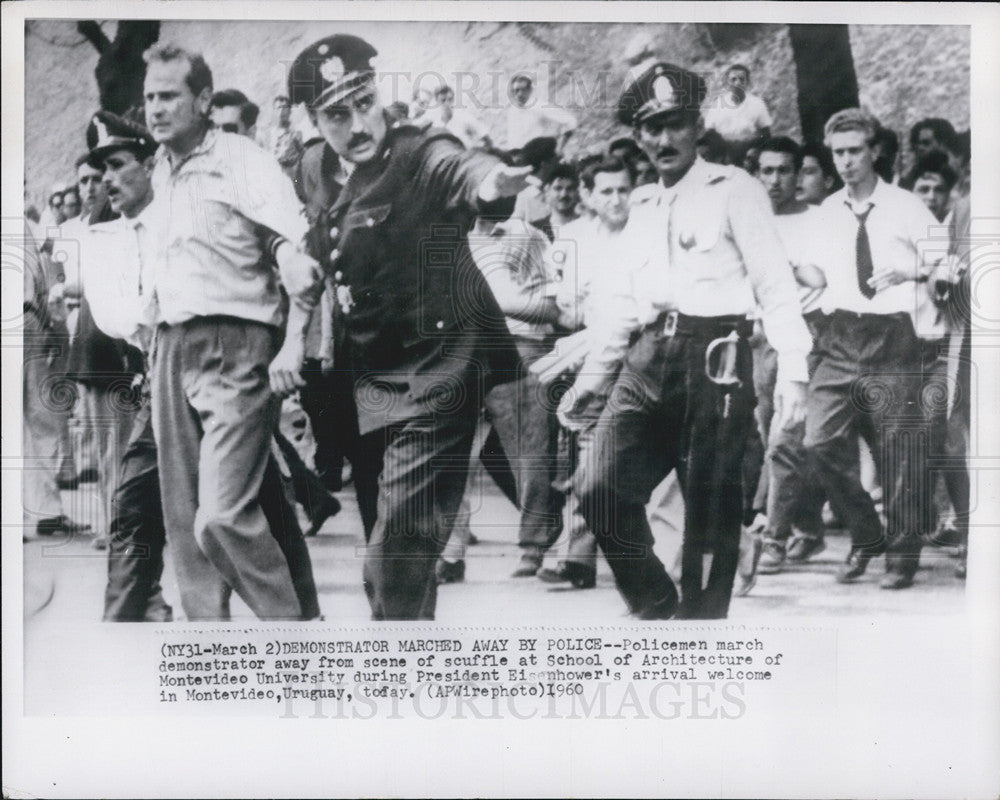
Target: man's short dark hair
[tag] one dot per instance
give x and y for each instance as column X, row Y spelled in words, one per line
column 742, row 67
column 561, row 170
column 783, row 144
column 609, row 164
column 229, row 98
column 630, row 145
column 944, row 133
column 934, row 163
column 199, row 76
column 283, row 99
column 823, row 157
column 888, row 146
column 716, row 151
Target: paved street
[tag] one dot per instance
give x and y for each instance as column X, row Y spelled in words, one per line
column 64, row 579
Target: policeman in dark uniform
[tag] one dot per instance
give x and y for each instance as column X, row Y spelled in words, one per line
column 700, row 251
column 423, row 336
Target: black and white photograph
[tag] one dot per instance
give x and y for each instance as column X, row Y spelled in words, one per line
column 581, row 367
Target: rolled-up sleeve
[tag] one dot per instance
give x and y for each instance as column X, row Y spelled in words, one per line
column 771, row 278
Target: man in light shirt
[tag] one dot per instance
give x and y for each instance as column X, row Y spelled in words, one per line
column 220, row 204
column 706, row 251
column 585, row 257
column 738, row 115
column 794, row 497
column 868, row 376
column 472, row 131
column 528, row 118
column 117, row 274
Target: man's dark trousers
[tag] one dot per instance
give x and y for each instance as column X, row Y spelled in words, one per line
column 663, row 414
column 867, row 381
column 424, row 469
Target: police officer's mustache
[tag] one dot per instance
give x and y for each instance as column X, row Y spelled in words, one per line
column 667, row 152
column 359, row 139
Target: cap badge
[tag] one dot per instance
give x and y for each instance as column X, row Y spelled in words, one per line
column 332, row 69
column 663, row 90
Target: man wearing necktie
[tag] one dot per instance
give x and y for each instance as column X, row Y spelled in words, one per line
column 700, row 251
column 868, row 376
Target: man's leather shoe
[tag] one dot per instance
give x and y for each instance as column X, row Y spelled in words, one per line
column 896, row 580
column 857, row 563
column 802, row 548
column 531, row 562
column 581, row 576
column 664, row 608
column 67, row 484
column 449, row 571
column 772, row 558
column 60, row 524
column 328, row 507
column 88, row 475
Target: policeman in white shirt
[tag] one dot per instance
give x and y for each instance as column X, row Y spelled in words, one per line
column 707, row 252
column 868, row 375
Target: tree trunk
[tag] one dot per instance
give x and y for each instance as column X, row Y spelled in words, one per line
column 824, row 68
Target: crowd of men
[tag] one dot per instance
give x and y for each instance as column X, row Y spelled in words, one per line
column 701, row 326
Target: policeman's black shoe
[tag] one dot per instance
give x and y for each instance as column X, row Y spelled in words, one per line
column 531, row 562
column 854, row 568
column 473, row 539
column 67, row 484
column 449, row 571
column 946, row 536
column 328, row 507
column 60, row 524
column 896, row 580
column 665, row 608
column 89, row 475
column 580, row 575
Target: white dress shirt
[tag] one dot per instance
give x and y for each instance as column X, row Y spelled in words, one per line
column 902, row 235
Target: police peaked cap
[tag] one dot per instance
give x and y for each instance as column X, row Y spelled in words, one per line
column 330, row 70
column 107, row 132
column 661, row 88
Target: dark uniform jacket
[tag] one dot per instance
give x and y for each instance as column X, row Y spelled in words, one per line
column 422, row 330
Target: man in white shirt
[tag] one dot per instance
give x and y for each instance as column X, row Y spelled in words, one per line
column 117, row 260
column 868, row 376
column 221, row 206
column 586, row 256
column 740, row 117
column 528, row 119
column 794, row 497
column 472, row 131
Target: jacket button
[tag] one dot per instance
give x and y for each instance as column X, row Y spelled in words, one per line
column 334, row 232
column 440, row 324
column 338, row 275
column 369, row 222
column 334, row 255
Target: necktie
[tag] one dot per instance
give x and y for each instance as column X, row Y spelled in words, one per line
column 863, row 251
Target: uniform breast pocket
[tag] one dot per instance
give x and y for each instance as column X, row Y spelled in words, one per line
column 698, row 232
column 367, row 217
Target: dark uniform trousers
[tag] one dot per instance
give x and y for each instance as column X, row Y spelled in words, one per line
column 795, row 496
column 135, row 557
column 867, row 381
column 664, row 413
column 424, row 468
